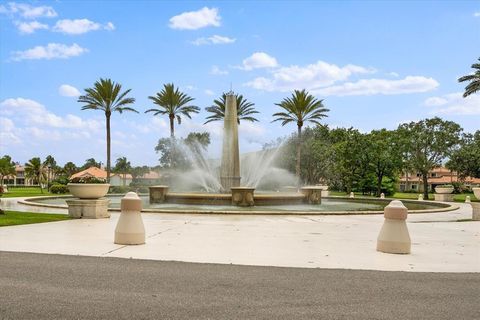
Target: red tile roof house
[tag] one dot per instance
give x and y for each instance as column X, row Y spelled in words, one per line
column 116, row 179
column 438, row 176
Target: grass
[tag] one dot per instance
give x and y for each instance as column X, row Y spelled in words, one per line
column 13, row 218
column 410, row 196
column 25, row 192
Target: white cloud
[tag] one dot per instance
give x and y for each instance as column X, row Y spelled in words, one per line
column 209, row 92
column 30, row 27
column 79, row 26
column 455, row 104
column 217, row 71
column 67, row 90
column 476, row 14
column 33, row 112
column 51, row 51
column 215, row 39
column 365, row 87
column 109, row 26
column 27, row 11
column 312, row 76
column 193, row 20
column 7, row 132
column 259, row 60
column 394, row 74
column 191, row 87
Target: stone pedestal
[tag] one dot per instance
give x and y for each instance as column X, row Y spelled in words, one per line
column 394, row 236
column 475, row 211
column 88, row 208
column 130, row 229
column 158, row 194
column 313, row 195
column 243, row 196
column 445, row 197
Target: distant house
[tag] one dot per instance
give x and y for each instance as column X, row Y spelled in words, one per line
column 18, row 179
column 150, row 178
column 116, row 179
column 413, row 181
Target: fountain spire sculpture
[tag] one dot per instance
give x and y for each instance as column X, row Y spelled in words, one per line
column 230, row 166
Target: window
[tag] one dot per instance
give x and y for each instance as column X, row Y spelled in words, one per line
column 434, row 174
column 414, row 187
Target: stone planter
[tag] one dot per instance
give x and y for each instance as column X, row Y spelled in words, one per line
column 476, row 192
column 88, row 190
column 475, row 211
column 443, row 190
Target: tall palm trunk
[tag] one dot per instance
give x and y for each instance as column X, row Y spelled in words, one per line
column 107, row 116
column 299, row 147
column 172, row 125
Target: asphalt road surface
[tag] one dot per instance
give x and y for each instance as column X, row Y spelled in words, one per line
column 40, row 286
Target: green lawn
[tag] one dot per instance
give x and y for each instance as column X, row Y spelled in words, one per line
column 25, row 192
column 12, row 218
column 414, row 196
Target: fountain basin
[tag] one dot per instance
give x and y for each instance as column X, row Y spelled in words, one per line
column 329, row 206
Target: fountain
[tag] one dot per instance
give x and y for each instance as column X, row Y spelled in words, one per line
column 226, row 187
column 230, row 166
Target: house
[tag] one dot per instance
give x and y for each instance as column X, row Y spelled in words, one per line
column 149, row 178
column 412, row 182
column 116, row 179
column 18, row 179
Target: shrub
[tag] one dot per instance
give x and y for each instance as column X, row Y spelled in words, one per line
column 119, row 189
column 88, row 179
column 59, row 189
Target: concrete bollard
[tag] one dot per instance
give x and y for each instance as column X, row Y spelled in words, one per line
column 130, row 228
column 382, row 195
column 420, row 197
column 394, row 237
column 352, row 195
column 467, row 199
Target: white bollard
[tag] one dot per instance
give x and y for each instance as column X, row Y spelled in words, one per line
column 130, row 228
column 420, row 197
column 382, row 195
column 467, row 199
column 394, row 237
column 352, row 195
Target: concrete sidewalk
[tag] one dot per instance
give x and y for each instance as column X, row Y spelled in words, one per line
column 439, row 242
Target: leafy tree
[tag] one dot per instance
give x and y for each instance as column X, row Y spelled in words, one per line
column 197, row 138
column 137, row 172
column 385, row 155
column 300, row 108
column 34, row 170
column 466, row 160
column 171, row 156
column 108, row 97
column 245, row 109
column 473, row 79
column 122, row 166
column 174, row 103
column 7, row 168
column 427, row 143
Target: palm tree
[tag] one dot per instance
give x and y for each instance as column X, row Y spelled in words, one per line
column 474, row 79
column 122, row 165
column 300, row 108
column 69, row 169
column 7, row 168
column 35, row 171
column 174, row 103
column 245, row 109
column 106, row 96
column 51, row 165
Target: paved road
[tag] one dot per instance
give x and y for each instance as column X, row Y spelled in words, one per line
column 39, row 286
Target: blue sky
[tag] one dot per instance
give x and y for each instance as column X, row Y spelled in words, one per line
column 375, row 64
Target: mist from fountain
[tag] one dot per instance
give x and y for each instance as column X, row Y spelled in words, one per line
column 258, row 170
